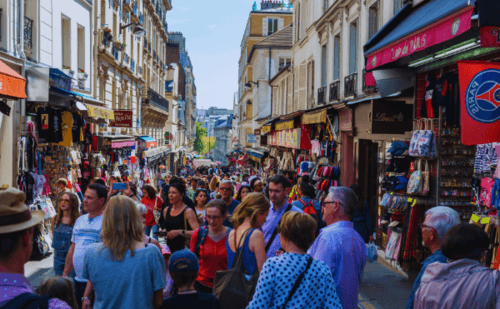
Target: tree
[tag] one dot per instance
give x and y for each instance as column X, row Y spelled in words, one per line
column 206, row 143
column 198, row 142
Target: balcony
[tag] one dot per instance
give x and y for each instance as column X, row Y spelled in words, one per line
column 350, row 85
column 368, row 89
column 28, row 34
column 127, row 6
column 334, row 91
column 156, row 100
column 322, row 95
column 132, row 65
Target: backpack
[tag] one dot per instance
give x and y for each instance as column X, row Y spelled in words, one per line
column 202, row 234
column 28, row 301
column 309, row 209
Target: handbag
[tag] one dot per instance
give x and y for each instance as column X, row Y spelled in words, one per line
column 425, row 180
column 231, row 287
column 40, row 246
column 415, row 182
column 156, row 213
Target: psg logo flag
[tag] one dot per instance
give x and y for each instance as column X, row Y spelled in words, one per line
column 480, row 106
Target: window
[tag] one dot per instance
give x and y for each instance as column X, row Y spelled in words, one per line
column 398, row 5
column 115, row 27
column 323, row 66
column 336, row 58
column 297, row 31
column 373, row 20
column 103, row 12
column 81, row 48
column 283, row 97
column 66, row 42
column 272, row 26
column 325, row 5
column 285, row 62
column 353, row 48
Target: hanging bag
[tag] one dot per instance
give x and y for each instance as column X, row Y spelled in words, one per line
column 412, row 151
column 187, row 239
column 156, row 213
column 231, row 287
column 415, row 182
column 425, row 180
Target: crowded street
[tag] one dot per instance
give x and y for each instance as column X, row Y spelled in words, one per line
column 246, row 154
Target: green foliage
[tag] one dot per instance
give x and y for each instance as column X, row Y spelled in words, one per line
column 206, row 143
column 198, row 142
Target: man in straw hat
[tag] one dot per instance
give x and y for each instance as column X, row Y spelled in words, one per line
column 17, row 226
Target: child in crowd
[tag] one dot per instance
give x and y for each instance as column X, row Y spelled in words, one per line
column 59, row 287
column 167, row 290
column 183, row 268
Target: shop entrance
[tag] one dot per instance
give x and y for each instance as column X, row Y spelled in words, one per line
column 367, row 174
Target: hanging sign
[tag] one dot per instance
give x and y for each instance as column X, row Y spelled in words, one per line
column 123, row 119
column 257, row 131
column 345, row 119
column 100, row 112
column 251, row 138
column 285, row 138
column 120, row 144
column 480, row 101
column 265, row 129
column 287, row 125
column 391, row 117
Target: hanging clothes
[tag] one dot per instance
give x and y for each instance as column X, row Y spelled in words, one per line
column 67, row 127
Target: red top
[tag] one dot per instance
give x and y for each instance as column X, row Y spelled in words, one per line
column 150, row 205
column 213, row 257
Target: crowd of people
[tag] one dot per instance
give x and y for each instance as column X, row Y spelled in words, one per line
column 226, row 241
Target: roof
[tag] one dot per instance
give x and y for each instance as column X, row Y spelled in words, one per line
column 284, row 38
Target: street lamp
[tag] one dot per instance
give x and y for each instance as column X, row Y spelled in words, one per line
column 249, row 85
column 137, row 30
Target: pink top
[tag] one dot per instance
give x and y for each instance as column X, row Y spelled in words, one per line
column 486, row 189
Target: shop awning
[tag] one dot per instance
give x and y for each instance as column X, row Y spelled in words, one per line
column 118, row 141
column 255, row 154
column 76, row 95
column 150, row 142
column 412, row 31
column 314, row 117
column 12, row 84
column 100, row 112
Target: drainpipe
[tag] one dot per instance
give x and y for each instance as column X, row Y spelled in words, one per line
column 94, row 64
column 269, row 79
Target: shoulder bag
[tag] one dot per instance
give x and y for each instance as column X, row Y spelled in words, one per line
column 156, row 213
column 231, row 287
column 297, row 283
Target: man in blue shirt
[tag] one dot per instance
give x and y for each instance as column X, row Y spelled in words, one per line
column 226, row 189
column 279, row 189
column 340, row 246
column 438, row 220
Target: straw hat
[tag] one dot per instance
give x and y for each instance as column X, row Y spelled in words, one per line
column 14, row 214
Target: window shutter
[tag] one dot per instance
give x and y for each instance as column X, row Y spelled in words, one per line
column 397, row 6
column 296, row 73
column 303, row 87
column 289, row 103
column 336, row 58
column 353, row 53
column 281, row 23
column 264, row 26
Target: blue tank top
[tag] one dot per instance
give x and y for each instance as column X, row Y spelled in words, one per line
column 249, row 260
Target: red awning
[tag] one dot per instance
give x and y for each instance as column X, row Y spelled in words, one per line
column 435, row 33
column 369, row 79
column 12, row 84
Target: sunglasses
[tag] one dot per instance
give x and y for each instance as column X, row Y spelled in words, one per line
column 214, row 218
column 225, row 189
column 324, row 204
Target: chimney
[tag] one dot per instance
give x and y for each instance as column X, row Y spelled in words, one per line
column 270, row 4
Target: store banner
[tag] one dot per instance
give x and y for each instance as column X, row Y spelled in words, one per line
column 490, row 36
column 480, row 106
column 287, row 125
column 265, row 129
column 251, row 138
column 100, row 112
column 123, row 119
column 315, row 117
column 285, row 138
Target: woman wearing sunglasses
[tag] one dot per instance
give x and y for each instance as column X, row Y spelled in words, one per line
column 209, row 244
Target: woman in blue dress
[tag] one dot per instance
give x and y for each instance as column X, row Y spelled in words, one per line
column 62, row 228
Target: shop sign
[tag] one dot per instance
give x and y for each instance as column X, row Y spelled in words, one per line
column 285, row 138
column 391, row 117
column 265, row 129
column 287, row 125
column 251, row 138
column 151, row 144
column 123, row 119
column 120, row 144
column 100, row 112
column 257, row 132
column 490, row 36
column 345, row 119
column 316, row 117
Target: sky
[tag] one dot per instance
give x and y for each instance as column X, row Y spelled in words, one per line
column 213, row 32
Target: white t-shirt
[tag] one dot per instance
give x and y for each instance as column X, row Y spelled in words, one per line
column 85, row 232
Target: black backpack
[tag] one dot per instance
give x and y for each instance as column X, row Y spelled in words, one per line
column 28, row 301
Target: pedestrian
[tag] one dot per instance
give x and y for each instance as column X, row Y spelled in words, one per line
column 180, row 220
column 193, row 188
column 112, row 180
column 340, row 246
column 183, row 268
column 462, row 282
column 242, row 193
column 215, row 191
column 294, row 268
column 201, row 199
column 167, row 290
column 362, row 218
column 209, row 244
column 124, row 271
column 306, row 198
column 256, row 185
column 279, row 188
column 249, row 217
column 152, row 202
column 227, row 191
column 62, row 228
column 16, row 244
column 438, row 221
column 143, row 211
column 87, row 231
column 62, row 185
column 60, row 288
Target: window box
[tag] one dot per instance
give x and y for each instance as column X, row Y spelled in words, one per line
column 82, row 75
column 68, row 71
column 119, row 46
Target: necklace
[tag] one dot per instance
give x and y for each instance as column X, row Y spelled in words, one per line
column 191, row 291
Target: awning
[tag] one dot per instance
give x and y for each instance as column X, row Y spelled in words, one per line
column 118, row 141
column 76, row 95
column 314, row 117
column 255, row 154
column 12, row 85
column 390, row 81
column 100, row 112
column 412, row 31
column 372, row 97
column 150, row 142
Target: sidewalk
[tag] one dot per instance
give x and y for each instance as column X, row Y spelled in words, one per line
column 383, row 288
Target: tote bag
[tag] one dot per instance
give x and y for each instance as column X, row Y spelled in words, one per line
column 415, row 182
column 231, row 287
column 425, row 180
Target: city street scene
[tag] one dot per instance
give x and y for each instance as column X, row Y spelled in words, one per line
column 248, row 154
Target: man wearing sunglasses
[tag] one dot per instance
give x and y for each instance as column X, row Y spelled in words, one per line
column 226, row 189
column 438, row 220
column 340, row 246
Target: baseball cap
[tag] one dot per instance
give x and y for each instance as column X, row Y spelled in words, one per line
column 183, row 260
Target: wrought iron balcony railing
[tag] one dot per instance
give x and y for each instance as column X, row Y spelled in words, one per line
column 322, row 95
column 334, row 91
column 28, row 33
column 350, row 85
column 155, row 99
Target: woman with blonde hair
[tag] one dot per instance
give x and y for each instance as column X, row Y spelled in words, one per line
column 123, row 270
column 247, row 219
column 62, row 228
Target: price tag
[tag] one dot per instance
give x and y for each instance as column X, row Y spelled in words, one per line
column 474, row 218
column 485, row 220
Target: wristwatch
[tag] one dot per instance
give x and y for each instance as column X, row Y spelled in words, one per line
column 182, row 233
column 84, row 298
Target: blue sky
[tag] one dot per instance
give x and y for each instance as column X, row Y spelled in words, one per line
column 213, row 31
